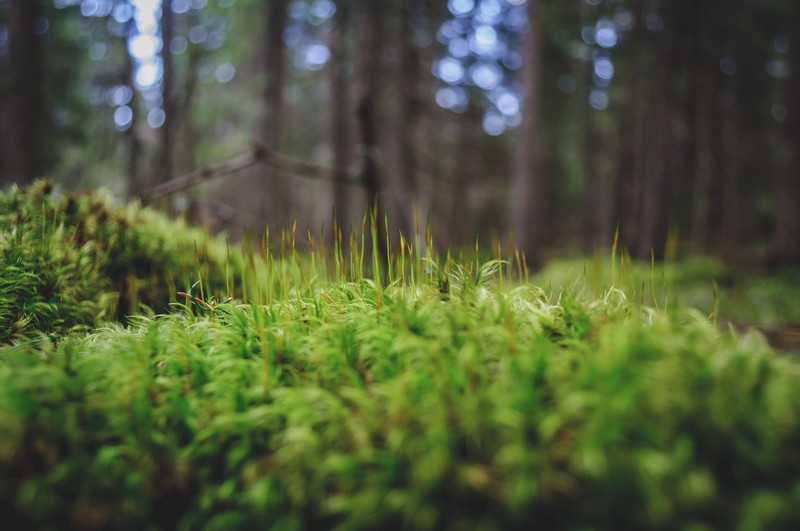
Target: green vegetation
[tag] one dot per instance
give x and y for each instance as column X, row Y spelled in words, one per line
column 341, row 392
column 77, row 260
column 704, row 283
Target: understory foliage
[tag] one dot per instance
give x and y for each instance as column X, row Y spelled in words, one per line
column 417, row 394
column 77, row 260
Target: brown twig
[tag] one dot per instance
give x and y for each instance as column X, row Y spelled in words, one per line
column 257, row 155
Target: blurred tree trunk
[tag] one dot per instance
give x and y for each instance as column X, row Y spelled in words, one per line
column 464, row 173
column 655, row 203
column 628, row 189
column 408, row 110
column 165, row 169
column 732, row 215
column 188, row 159
column 730, row 212
column 532, row 188
column 427, row 130
column 788, row 190
column 135, row 186
column 25, row 105
column 590, row 221
column 370, row 46
column 187, row 152
column 4, row 176
column 277, row 197
column 704, row 153
column 340, row 113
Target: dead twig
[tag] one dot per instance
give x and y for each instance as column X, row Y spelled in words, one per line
column 257, row 155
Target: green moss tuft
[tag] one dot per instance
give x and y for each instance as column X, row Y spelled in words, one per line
column 78, row 260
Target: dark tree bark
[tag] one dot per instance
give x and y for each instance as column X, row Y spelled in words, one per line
column 190, row 133
column 370, row 45
column 165, row 169
column 26, row 114
column 186, row 152
column 788, row 222
column 704, row 154
column 277, row 197
column 408, row 107
column 340, row 112
column 731, row 214
column 591, row 222
column 628, row 189
column 464, row 172
column 135, row 186
column 532, row 189
column 661, row 163
column 4, row 177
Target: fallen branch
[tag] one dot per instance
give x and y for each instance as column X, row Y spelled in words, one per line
column 257, row 155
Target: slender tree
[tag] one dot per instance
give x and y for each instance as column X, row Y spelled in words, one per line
column 25, row 95
column 339, row 107
column 789, row 188
column 277, row 198
column 787, row 217
column 628, row 190
column 663, row 186
column 732, row 216
column 369, row 45
column 408, row 109
column 187, row 159
column 591, row 215
column 464, row 173
column 704, row 168
column 165, row 169
column 532, row 189
column 135, row 186
column 4, row 177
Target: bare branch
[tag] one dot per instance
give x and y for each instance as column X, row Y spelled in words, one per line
column 257, row 155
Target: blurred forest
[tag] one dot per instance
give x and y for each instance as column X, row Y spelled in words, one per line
column 677, row 121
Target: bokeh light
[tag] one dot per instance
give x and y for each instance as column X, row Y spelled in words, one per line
column 461, row 8
column 598, row 99
column 123, row 118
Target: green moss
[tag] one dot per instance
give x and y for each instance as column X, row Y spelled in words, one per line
column 698, row 282
column 489, row 408
column 345, row 394
column 78, row 260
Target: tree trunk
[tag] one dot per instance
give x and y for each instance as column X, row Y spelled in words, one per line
column 408, row 108
column 4, row 177
column 731, row 214
column 704, row 158
column 370, row 46
column 340, row 114
column 788, row 222
column 591, row 190
column 165, row 170
column 532, row 189
column 277, row 201
column 27, row 120
column 464, row 173
column 187, row 153
column 661, row 163
column 628, row 189
column 135, row 186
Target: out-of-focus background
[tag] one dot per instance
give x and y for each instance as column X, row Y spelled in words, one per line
column 556, row 121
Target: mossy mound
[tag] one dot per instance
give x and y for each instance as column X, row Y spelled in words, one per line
column 355, row 409
column 77, row 260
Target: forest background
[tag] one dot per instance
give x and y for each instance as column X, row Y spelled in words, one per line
column 556, row 122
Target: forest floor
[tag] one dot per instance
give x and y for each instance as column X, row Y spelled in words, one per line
column 334, row 390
